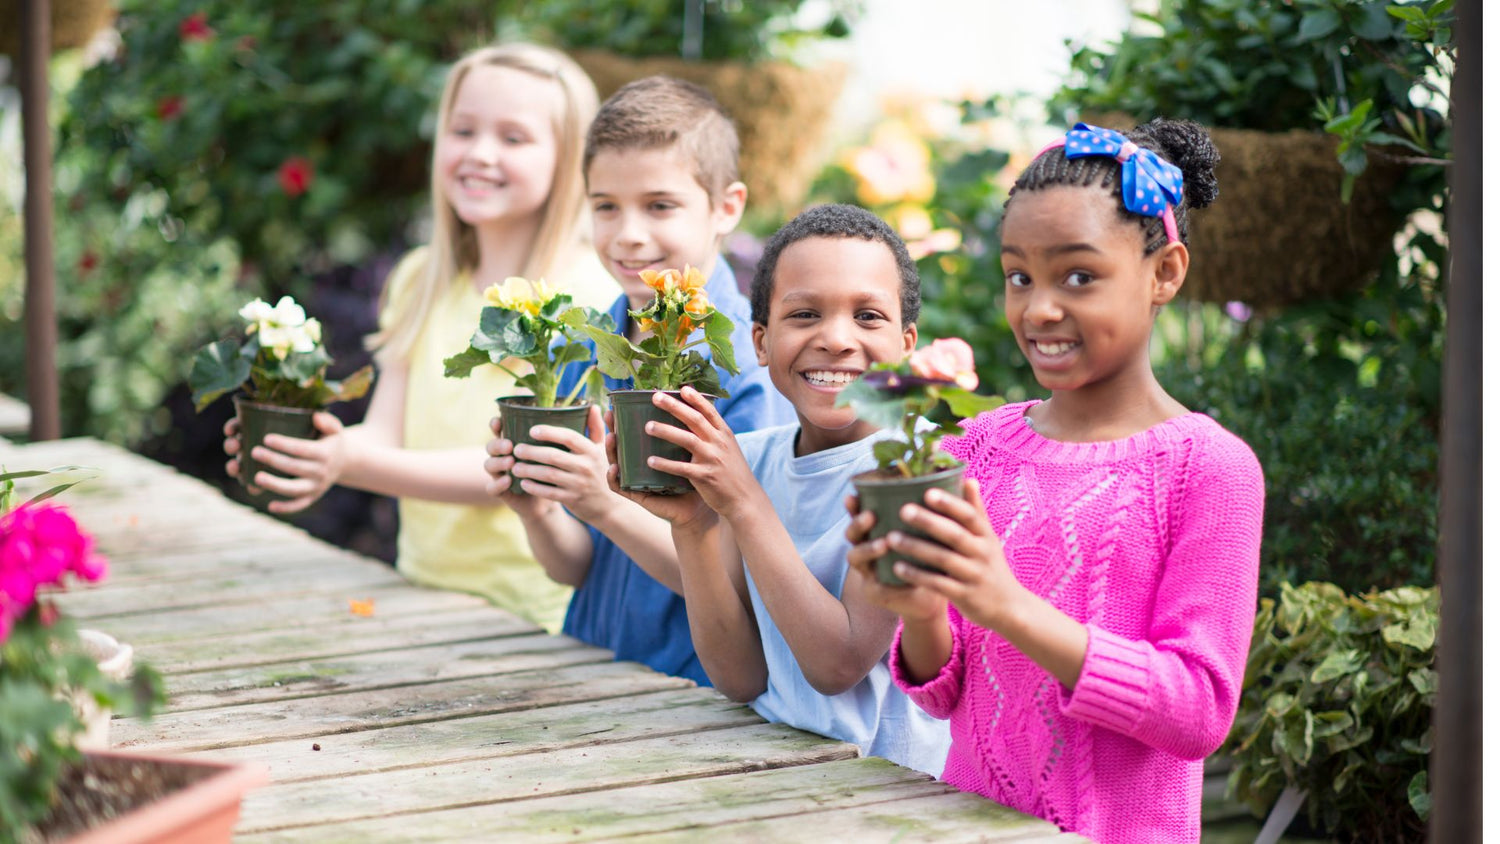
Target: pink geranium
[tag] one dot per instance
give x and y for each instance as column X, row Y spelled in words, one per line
column 40, row 545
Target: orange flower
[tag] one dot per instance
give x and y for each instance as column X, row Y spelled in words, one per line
column 692, row 279
column 684, row 328
column 662, row 281
column 698, row 305
column 365, row 608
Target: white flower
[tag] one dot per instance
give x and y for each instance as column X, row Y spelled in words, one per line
column 255, row 313
column 313, row 330
column 288, row 313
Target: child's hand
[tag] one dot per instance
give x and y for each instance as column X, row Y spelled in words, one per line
column 572, row 474
column 718, row 470
column 972, row 573
column 498, row 466
column 311, row 466
column 913, row 603
column 686, row 511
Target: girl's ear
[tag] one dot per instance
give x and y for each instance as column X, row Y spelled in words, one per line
column 908, row 340
column 730, row 208
column 1171, row 271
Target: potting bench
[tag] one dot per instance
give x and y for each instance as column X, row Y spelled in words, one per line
column 385, row 711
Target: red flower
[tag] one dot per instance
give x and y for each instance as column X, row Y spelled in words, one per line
column 169, row 107
column 195, row 27
column 87, row 262
column 295, row 175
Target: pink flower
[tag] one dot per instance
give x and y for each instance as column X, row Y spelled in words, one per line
column 195, row 27
column 948, row 359
column 39, row 546
column 295, row 175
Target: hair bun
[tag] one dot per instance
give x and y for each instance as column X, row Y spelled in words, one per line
column 1187, row 145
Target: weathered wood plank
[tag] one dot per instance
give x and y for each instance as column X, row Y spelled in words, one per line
column 344, row 636
column 673, row 712
column 534, row 775
column 698, row 805
column 227, row 726
column 948, row 817
column 289, row 612
column 227, row 586
column 279, row 681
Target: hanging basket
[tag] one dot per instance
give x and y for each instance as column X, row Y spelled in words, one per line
column 74, row 23
column 1279, row 234
column 781, row 111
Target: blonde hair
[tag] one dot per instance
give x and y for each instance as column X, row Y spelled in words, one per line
column 454, row 246
column 664, row 112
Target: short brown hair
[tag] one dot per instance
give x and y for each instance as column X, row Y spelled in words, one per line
column 663, row 111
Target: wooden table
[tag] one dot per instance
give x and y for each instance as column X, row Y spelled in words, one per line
column 439, row 717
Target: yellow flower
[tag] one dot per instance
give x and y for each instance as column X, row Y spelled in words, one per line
column 516, row 294
column 692, row 278
column 662, row 281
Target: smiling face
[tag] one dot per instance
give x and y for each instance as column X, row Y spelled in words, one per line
column 1080, row 295
column 650, row 213
column 835, row 308
column 497, row 154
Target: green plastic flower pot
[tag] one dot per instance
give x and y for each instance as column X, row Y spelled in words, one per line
column 257, row 420
column 519, row 413
column 885, row 494
column 633, row 409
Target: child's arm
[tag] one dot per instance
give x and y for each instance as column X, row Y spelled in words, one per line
column 1177, row 688
column 720, row 615
column 836, row 640
column 575, row 475
column 366, row 456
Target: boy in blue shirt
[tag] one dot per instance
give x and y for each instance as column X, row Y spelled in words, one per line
column 662, row 175
column 761, row 540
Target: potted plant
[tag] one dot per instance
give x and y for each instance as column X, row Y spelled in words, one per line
column 542, row 328
column 665, row 361
column 921, row 400
column 281, row 366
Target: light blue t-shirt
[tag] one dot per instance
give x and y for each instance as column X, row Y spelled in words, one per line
column 808, row 494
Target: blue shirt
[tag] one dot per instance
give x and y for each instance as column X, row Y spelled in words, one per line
column 619, row 606
column 808, row 495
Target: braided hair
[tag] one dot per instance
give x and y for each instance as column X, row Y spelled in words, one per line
column 1183, row 143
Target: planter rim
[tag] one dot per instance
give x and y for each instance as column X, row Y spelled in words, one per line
column 878, row 478
column 640, row 391
column 530, row 401
column 200, row 800
column 241, row 401
column 114, row 657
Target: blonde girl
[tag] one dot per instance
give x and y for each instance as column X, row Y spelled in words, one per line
column 507, row 199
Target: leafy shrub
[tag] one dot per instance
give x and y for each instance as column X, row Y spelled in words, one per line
column 732, row 30
column 1338, row 703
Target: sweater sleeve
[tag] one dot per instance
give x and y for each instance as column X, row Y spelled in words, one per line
column 939, row 696
column 1177, row 690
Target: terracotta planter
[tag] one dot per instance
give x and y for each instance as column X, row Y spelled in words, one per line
column 519, row 413
column 202, row 810
column 257, row 420
column 884, row 495
column 633, row 409
column 116, row 661
column 781, row 111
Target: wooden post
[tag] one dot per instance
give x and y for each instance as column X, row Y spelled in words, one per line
column 1455, row 766
column 41, row 311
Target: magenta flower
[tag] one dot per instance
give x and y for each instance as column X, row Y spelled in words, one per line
column 40, row 545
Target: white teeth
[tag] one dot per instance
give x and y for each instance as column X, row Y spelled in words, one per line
column 828, row 378
column 1054, row 349
column 473, row 183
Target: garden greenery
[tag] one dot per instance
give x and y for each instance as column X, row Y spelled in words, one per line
column 1337, row 702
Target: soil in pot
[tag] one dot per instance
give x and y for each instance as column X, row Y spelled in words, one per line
column 885, row 493
column 519, row 413
column 257, row 420
column 633, row 409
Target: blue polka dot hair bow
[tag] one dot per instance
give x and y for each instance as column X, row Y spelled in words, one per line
column 1149, row 185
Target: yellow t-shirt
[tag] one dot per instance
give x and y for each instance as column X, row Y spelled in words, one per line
column 472, row 549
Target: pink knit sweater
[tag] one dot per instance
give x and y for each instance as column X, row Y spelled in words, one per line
column 1153, row 543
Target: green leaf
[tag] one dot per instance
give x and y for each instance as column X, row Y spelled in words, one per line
column 1330, row 723
column 217, row 369
column 964, row 404
column 1317, row 24
column 889, row 452
column 461, row 364
column 1424, row 680
column 356, row 384
column 1279, row 704
column 617, row 356
column 1418, row 795
column 502, row 336
column 1337, row 664
column 719, row 329
column 1418, row 632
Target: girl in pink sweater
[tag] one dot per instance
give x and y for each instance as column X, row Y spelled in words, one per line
column 1085, row 628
